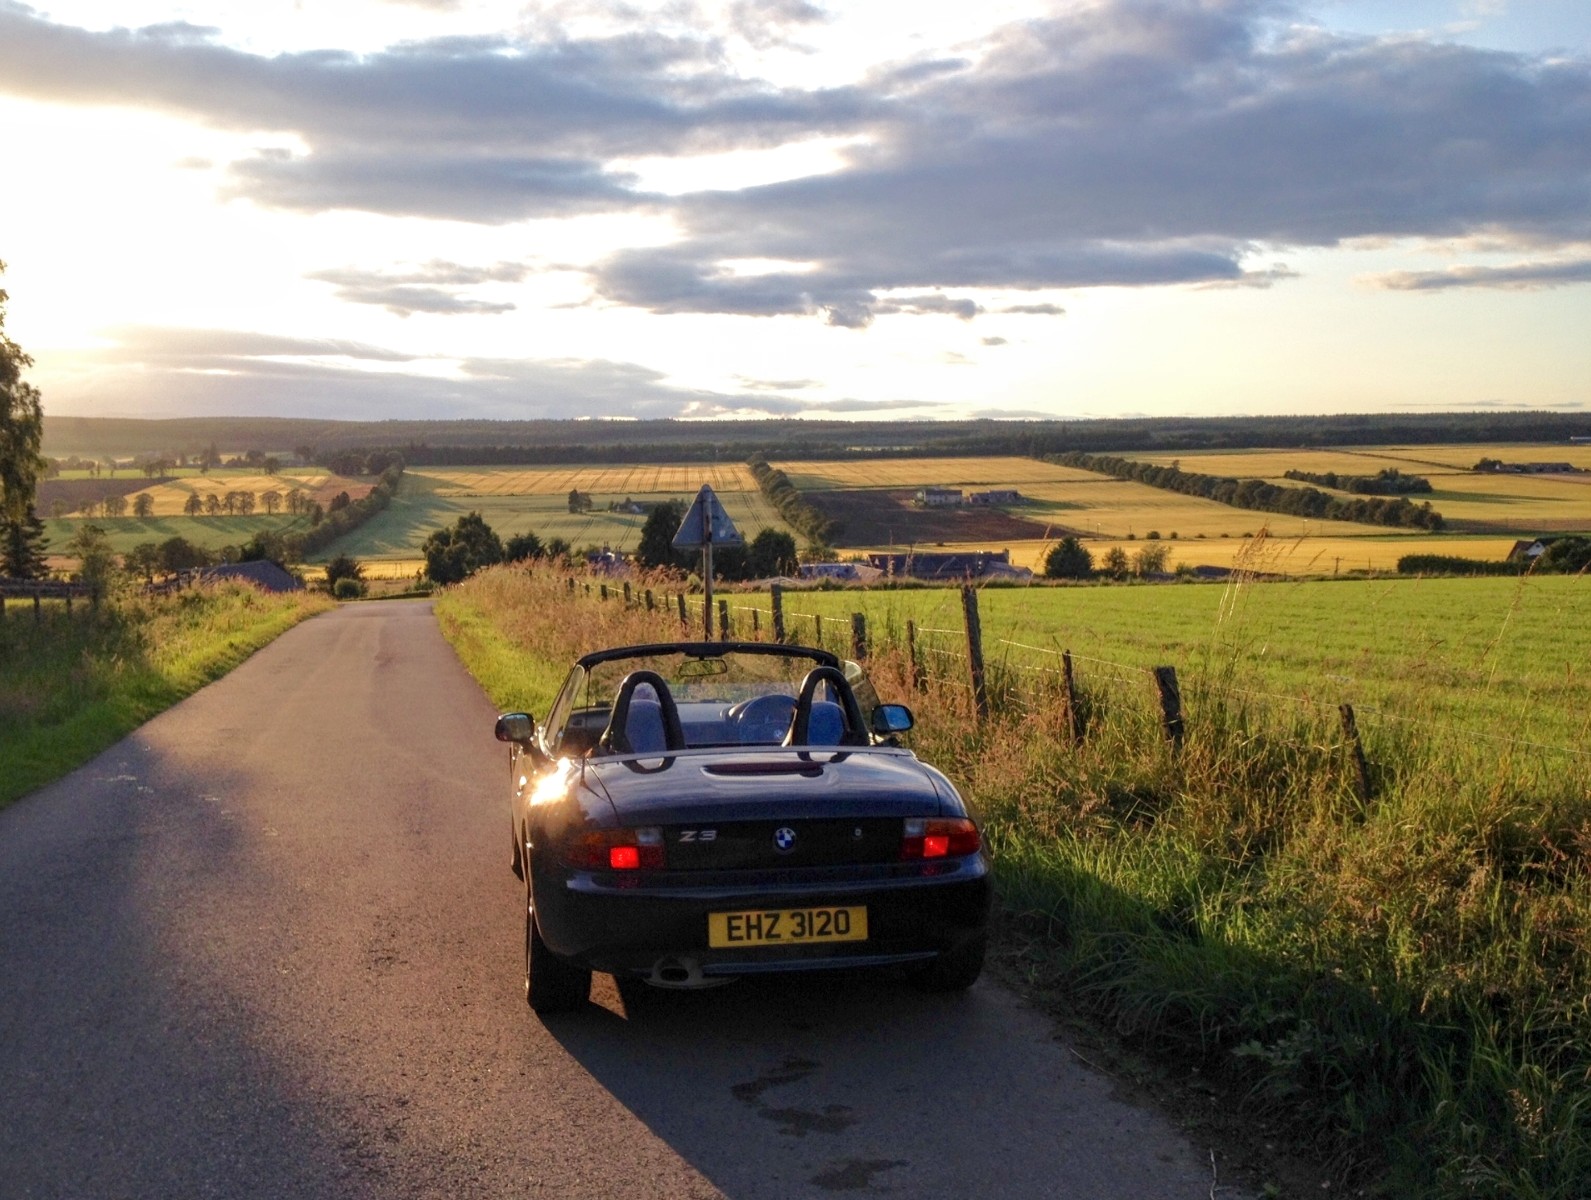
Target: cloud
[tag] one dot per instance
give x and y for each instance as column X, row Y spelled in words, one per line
column 1122, row 143
column 433, row 288
column 1524, row 276
column 488, row 129
column 169, row 372
column 1035, row 310
column 994, row 341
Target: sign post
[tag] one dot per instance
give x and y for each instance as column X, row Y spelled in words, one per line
column 707, row 525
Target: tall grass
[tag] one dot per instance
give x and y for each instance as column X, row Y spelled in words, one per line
column 73, row 684
column 1400, row 986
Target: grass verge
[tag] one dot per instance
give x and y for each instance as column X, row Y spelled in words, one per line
column 75, row 683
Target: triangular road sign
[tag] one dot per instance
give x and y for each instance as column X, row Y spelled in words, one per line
column 706, row 524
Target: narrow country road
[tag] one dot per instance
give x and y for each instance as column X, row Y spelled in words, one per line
column 269, row 946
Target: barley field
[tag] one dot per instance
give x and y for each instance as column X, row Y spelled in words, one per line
column 516, row 500
column 643, row 480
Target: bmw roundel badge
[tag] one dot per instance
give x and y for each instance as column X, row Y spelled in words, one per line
column 784, row 839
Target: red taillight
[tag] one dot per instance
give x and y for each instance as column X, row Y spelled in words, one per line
column 616, row 850
column 624, row 858
column 938, row 837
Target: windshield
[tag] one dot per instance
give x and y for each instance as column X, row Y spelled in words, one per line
column 716, row 695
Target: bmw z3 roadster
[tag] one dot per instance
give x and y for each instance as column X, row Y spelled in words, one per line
column 697, row 811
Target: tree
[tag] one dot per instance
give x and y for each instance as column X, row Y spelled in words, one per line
column 457, row 553
column 96, row 562
column 212, row 504
column 21, row 431
column 193, row 505
column 1115, row 563
column 272, row 501
column 22, row 546
column 143, row 505
column 772, row 552
column 179, row 554
column 522, row 546
column 1150, row 560
column 339, row 502
column 143, row 559
column 114, row 506
column 343, row 567
column 656, row 547
column 1068, row 559
column 579, row 501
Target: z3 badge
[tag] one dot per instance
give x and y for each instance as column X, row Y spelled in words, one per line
column 698, row 835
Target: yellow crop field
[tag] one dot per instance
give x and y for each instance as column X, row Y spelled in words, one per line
column 170, row 497
column 1113, row 508
column 608, row 482
column 1274, row 464
column 1471, row 501
column 1268, row 555
column 973, row 473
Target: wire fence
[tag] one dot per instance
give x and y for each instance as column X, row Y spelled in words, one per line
column 1092, row 680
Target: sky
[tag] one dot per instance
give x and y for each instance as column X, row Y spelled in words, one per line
column 370, row 209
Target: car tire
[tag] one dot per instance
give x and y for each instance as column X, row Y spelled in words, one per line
column 552, row 983
column 955, row 970
column 637, row 994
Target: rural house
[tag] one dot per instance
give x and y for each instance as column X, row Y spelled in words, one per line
column 996, row 496
column 939, row 497
column 974, row 564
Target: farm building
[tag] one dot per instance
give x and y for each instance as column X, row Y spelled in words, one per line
column 996, row 496
column 844, row 572
column 262, row 573
column 973, row 564
column 939, row 497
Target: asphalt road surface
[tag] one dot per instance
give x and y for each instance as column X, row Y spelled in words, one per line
column 269, row 946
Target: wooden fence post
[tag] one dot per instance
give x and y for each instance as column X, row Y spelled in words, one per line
column 1170, row 704
column 723, row 620
column 817, row 630
column 756, row 624
column 913, row 678
column 859, row 636
column 1356, row 753
column 651, row 602
column 626, row 593
column 969, row 612
column 571, row 583
column 684, row 617
column 1073, row 713
column 38, row 609
column 777, row 594
column 603, row 591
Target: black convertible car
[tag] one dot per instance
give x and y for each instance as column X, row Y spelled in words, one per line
column 693, row 812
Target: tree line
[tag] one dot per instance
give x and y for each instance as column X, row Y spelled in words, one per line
column 1257, row 494
column 484, row 443
column 1388, row 482
column 796, row 512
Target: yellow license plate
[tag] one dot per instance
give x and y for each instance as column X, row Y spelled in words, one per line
column 786, row 927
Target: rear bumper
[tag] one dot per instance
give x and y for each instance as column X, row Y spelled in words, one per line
column 626, row 926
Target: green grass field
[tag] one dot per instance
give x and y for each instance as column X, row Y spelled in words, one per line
column 1509, row 658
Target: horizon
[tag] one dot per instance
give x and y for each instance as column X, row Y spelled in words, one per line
column 475, row 210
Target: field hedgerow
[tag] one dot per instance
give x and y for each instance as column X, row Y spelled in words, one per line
column 73, row 684
column 1398, row 985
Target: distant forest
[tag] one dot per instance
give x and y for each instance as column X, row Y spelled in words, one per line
column 422, row 443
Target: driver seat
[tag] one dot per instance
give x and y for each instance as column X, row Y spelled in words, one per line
column 643, row 730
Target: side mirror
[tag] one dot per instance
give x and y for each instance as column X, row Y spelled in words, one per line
column 891, row 718
column 516, row 727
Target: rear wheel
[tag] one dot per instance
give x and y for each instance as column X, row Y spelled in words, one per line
column 552, row 983
column 956, row 970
